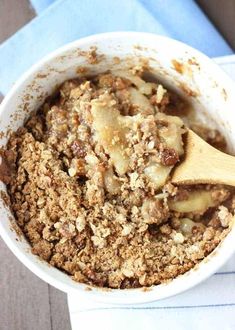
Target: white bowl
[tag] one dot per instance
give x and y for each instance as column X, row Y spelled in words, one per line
column 212, row 92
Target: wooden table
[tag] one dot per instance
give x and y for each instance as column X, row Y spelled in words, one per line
column 26, row 302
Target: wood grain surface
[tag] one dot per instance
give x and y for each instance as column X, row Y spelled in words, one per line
column 13, row 15
column 26, row 302
column 222, row 14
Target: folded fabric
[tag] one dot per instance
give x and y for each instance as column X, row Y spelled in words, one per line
column 209, row 306
column 67, row 20
column 185, row 21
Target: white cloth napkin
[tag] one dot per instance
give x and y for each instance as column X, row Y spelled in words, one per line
column 209, row 306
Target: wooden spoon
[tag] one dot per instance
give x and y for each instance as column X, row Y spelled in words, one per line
column 204, row 164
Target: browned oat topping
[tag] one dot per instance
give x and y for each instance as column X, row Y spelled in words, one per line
column 90, row 185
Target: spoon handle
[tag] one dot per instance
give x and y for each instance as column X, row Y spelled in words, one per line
column 204, row 164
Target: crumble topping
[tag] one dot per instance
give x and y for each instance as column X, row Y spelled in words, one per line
column 90, row 184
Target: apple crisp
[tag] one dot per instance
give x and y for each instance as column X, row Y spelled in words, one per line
column 90, row 184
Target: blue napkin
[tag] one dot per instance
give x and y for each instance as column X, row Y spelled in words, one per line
column 67, row 20
column 40, row 5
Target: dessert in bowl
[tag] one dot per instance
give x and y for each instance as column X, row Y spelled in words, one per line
column 96, row 131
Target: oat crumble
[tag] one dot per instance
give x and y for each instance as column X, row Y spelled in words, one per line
column 90, row 184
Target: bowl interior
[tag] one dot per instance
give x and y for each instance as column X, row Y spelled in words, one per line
column 180, row 68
